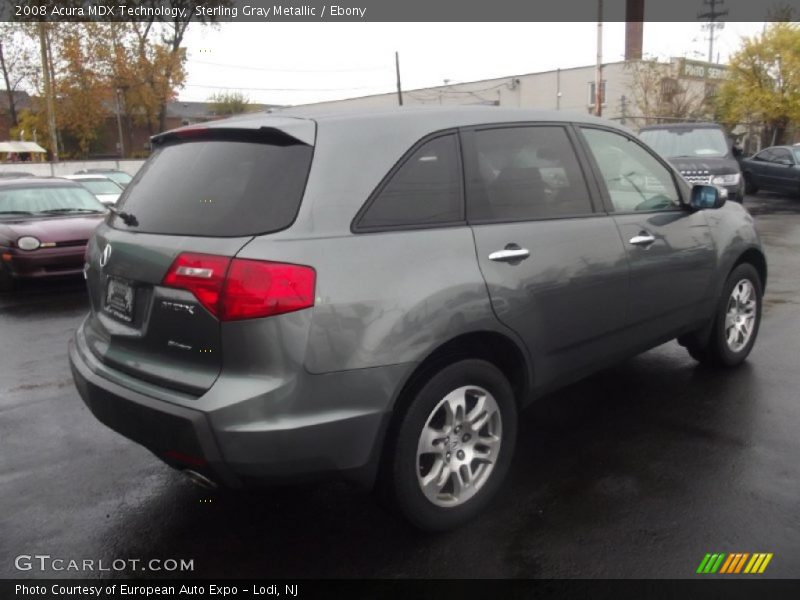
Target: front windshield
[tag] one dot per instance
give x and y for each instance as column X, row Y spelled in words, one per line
column 796, row 152
column 100, row 186
column 47, row 199
column 703, row 142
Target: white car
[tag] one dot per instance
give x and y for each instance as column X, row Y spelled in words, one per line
column 104, row 189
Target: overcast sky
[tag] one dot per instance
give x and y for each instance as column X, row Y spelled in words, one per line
column 297, row 63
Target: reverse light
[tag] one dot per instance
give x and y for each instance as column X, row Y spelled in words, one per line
column 28, row 242
column 235, row 289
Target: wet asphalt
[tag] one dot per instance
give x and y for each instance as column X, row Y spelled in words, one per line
column 638, row 471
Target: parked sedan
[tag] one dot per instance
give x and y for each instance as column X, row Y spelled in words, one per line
column 776, row 168
column 105, row 189
column 44, row 227
column 120, row 177
column 377, row 294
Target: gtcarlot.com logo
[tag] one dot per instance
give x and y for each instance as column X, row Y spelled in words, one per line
column 735, row 563
column 45, row 562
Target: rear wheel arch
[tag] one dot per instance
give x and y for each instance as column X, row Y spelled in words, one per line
column 499, row 349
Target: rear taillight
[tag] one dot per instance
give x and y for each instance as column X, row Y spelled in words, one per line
column 233, row 289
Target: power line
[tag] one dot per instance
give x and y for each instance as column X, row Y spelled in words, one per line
column 268, row 69
column 258, row 89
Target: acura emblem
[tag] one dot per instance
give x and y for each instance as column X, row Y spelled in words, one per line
column 105, row 255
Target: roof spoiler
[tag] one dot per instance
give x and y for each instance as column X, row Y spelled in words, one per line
column 261, row 135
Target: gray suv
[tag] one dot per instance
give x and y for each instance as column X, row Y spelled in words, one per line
column 378, row 294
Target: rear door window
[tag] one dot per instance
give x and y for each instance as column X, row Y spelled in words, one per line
column 523, row 173
column 226, row 187
column 424, row 191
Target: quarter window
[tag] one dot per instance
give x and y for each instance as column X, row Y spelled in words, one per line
column 634, row 178
column 523, row 173
column 426, row 190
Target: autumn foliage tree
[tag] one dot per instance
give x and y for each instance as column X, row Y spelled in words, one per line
column 764, row 83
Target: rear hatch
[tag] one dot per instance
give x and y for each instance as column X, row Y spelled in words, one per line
column 159, row 269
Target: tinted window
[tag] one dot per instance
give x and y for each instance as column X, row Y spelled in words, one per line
column 525, row 173
column 703, row 141
column 425, row 190
column 781, row 155
column 764, row 155
column 634, row 178
column 219, row 188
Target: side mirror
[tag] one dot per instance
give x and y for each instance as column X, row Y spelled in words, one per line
column 706, row 196
column 785, row 162
column 737, row 152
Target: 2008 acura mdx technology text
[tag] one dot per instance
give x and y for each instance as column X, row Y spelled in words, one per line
column 378, row 294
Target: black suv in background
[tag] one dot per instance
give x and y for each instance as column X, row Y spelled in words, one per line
column 702, row 152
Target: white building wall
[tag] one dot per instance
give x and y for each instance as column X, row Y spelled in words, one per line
column 533, row 90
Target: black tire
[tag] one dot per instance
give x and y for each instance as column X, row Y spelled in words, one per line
column 405, row 464
column 749, row 186
column 6, row 281
column 716, row 351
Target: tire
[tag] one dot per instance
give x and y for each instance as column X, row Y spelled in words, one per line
column 6, row 281
column 450, row 403
column 729, row 345
column 749, row 186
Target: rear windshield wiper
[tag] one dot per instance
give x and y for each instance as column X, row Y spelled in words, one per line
column 50, row 211
column 127, row 218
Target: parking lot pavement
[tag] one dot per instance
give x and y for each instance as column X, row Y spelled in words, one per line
column 638, row 471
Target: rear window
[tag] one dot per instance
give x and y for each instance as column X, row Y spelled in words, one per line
column 217, row 188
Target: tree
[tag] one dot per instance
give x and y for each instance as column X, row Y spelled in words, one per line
column 17, row 63
column 659, row 96
column 764, row 83
column 229, row 103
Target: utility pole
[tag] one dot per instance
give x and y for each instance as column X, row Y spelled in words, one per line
column 119, row 125
column 48, row 93
column 711, row 15
column 397, row 69
column 598, row 75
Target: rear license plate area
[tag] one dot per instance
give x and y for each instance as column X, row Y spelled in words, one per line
column 120, row 299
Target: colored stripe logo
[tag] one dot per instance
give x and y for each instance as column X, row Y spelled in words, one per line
column 735, row 563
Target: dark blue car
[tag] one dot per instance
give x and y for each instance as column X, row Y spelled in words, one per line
column 776, row 168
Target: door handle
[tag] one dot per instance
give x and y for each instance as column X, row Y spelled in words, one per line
column 510, row 253
column 643, row 239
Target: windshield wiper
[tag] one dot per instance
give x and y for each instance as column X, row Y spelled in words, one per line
column 51, row 211
column 15, row 212
column 127, row 218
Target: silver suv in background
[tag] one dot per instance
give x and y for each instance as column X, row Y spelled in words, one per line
column 378, row 294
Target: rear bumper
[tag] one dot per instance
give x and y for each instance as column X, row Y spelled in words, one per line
column 45, row 262
column 301, row 429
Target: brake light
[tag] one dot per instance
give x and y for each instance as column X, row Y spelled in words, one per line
column 201, row 274
column 234, row 289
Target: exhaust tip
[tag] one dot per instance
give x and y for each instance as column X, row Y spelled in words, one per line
column 198, row 479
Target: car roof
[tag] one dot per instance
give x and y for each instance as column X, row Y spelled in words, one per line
column 298, row 122
column 681, row 126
